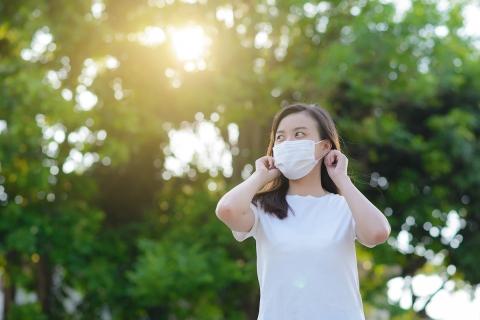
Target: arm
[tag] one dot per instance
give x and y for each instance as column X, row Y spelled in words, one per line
column 372, row 226
column 234, row 210
column 234, row 207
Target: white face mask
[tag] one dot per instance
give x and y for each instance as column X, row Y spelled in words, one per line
column 296, row 158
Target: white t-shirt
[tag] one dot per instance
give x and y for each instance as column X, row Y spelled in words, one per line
column 306, row 263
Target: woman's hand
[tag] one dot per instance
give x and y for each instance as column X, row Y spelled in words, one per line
column 265, row 168
column 336, row 163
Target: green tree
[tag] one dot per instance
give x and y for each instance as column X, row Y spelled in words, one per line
column 91, row 91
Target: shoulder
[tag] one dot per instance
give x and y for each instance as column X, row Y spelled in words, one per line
column 257, row 209
column 338, row 201
column 242, row 235
column 337, row 198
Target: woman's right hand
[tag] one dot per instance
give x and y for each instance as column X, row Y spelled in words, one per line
column 265, row 168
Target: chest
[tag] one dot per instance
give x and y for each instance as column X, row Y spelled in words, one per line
column 311, row 230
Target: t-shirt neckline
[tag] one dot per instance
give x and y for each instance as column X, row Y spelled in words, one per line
column 309, row 196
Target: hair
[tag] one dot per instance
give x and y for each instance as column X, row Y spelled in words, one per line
column 272, row 196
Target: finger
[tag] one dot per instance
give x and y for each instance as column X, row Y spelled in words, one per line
column 265, row 162
column 329, row 159
column 332, row 155
column 326, row 159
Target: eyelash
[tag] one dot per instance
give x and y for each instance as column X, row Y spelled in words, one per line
column 295, row 133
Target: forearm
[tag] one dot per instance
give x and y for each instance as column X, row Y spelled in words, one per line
column 372, row 226
column 238, row 198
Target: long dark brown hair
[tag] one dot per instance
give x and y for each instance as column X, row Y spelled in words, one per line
column 272, row 196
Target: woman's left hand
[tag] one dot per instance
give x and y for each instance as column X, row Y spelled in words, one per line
column 336, row 163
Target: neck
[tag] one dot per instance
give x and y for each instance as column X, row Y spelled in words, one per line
column 309, row 185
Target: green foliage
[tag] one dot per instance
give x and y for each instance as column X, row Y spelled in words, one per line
column 130, row 241
column 31, row 311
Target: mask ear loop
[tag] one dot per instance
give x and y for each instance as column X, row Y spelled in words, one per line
column 314, row 149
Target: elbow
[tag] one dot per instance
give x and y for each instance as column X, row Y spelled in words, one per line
column 385, row 234
column 222, row 211
column 381, row 236
column 378, row 238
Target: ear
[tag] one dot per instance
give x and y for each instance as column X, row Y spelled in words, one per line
column 327, row 146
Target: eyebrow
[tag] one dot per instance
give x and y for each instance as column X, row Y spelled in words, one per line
column 279, row 131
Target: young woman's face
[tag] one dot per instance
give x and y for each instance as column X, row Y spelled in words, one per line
column 300, row 126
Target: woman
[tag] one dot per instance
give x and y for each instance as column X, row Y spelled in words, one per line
column 305, row 214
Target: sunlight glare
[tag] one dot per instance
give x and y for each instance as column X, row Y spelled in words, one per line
column 189, row 43
column 152, row 36
column 197, row 146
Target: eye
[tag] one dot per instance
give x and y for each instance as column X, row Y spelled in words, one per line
column 299, row 132
column 279, row 136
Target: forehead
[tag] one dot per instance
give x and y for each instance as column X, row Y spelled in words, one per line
column 294, row 120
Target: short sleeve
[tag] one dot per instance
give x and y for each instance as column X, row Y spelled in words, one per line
column 352, row 221
column 354, row 229
column 239, row 235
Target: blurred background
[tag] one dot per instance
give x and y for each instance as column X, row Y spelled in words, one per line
column 122, row 123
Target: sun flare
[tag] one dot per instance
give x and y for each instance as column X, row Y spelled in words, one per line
column 190, row 43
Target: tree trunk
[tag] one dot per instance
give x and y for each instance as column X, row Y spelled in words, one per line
column 44, row 284
column 8, row 287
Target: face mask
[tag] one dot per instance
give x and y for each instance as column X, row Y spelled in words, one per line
column 295, row 158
